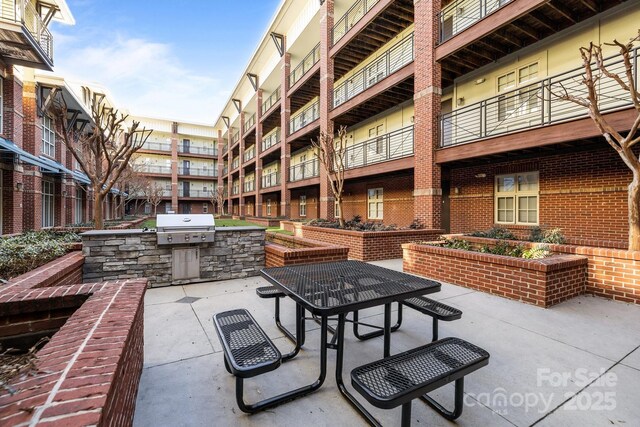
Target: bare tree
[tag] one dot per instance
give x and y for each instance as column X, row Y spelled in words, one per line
column 132, row 183
column 596, row 70
column 216, row 197
column 105, row 151
column 332, row 152
column 154, row 193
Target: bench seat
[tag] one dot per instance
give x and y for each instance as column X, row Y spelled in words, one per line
column 269, row 292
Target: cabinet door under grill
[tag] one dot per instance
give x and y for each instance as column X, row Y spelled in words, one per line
column 185, row 263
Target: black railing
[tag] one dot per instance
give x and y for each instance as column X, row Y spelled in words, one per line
column 271, row 180
column 461, row 14
column 154, row 169
column 351, row 18
column 250, row 153
column 532, row 106
column 197, row 171
column 388, row 63
column 249, row 186
column 271, row 100
column 305, row 65
column 235, row 138
column 390, row 146
column 304, row 170
column 156, row 146
column 194, row 149
column 250, row 122
column 235, row 163
column 271, row 139
column 304, row 117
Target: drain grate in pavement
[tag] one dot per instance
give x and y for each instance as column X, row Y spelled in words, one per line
column 188, row 300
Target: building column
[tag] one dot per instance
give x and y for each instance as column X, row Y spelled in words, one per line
column 12, row 177
column 427, row 193
column 219, row 183
column 257, row 207
column 229, row 175
column 174, row 167
column 241, row 148
column 285, row 148
column 32, row 143
column 325, row 196
column 12, row 195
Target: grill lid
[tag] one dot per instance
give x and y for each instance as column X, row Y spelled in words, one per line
column 166, row 222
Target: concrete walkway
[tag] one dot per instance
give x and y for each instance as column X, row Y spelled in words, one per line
column 576, row 364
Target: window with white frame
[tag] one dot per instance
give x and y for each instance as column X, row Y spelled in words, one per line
column 268, row 207
column 79, row 206
column 47, row 204
column 525, row 100
column 336, row 209
column 516, row 198
column 147, row 208
column 303, row 205
column 205, row 208
column 48, row 136
column 375, row 203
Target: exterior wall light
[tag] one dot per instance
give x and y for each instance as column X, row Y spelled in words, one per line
column 480, row 81
column 480, row 175
column 461, row 101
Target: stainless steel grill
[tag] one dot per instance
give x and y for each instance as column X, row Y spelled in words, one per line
column 177, row 229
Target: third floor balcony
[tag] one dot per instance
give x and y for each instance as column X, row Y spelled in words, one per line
column 235, row 138
column 235, row 163
column 271, row 139
column 272, row 100
column 461, row 14
column 235, row 188
column 351, row 17
column 271, row 180
column 249, row 122
column 305, row 65
column 156, row 146
column 391, row 146
column 208, row 171
column 249, row 153
column 249, row 185
column 154, row 169
column 304, row 170
column 305, row 116
column 195, row 149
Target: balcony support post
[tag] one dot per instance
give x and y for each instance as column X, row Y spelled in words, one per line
column 285, row 148
column 174, row 167
column 241, row 166
column 326, row 198
column 427, row 194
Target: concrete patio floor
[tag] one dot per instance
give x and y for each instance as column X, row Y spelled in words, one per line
column 576, row 364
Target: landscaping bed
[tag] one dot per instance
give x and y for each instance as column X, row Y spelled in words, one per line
column 281, row 249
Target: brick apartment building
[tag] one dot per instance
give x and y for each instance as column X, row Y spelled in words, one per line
column 448, row 109
column 181, row 158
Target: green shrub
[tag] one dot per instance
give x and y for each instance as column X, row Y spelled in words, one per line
column 456, row 244
column 552, row 236
column 31, row 250
column 495, row 233
column 503, row 248
column 541, row 251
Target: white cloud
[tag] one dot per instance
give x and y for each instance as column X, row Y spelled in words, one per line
column 145, row 77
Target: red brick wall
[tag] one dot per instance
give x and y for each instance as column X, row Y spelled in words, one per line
column 540, row 282
column 583, row 193
column 313, row 206
column 278, row 251
column 370, row 246
column 66, row 270
column 275, row 205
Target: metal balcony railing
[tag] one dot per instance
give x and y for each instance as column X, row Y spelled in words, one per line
column 225, row 147
column 154, row 169
column 194, row 193
column 304, row 170
column 235, row 138
column 305, row 65
column 271, row 100
column 24, row 12
column 249, row 186
column 198, row 171
column 351, row 18
column 304, row 117
column 157, row 146
column 225, row 170
column 461, row 14
column 271, row 180
column 271, row 139
column 249, row 154
column 390, row 146
column 194, row 149
column 396, row 57
column 235, row 163
column 235, row 189
column 533, row 106
column 250, row 122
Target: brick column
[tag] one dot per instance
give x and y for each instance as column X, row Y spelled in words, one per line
column 12, row 194
column 220, row 182
column 12, row 177
column 285, row 148
column 31, row 142
column 229, row 176
column 241, row 167
column 174, row 167
column 257, row 206
column 427, row 193
column 325, row 196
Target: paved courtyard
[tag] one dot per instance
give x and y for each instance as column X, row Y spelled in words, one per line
column 576, row 364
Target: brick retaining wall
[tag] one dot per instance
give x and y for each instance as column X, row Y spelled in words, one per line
column 279, row 253
column 542, row 282
column 66, row 270
column 369, row 245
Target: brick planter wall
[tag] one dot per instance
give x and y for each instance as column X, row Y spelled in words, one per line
column 307, row 251
column 265, row 222
column 612, row 273
column 66, row 270
column 88, row 373
column 542, row 282
column 369, row 245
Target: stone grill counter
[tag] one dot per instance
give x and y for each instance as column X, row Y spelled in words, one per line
column 236, row 252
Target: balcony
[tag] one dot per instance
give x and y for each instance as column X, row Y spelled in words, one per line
column 198, row 171
column 304, row 170
column 271, row 180
column 351, row 17
column 461, row 14
column 272, row 100
column 155, row 169
column 225, row 170
column 249, row 186
column 270, row 140
column 531, row 107
column 388, row 63
column 249, row 154
column 33, row 46
column 235, row 138
column 156, row 146
column 191, row 149
column 305, row 65
column 391, row 146
column 304, row 117
column 235, row 189
column 235, row 163
column 250, row 122
column 200, row 194
column 225, row 148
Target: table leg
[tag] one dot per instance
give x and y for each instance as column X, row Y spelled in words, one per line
column 300, row 334
column 339, row 381
column 387, row 330
column 379, row 332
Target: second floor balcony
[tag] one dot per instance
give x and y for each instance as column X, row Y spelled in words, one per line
column 198, row 171
column 225, row 170
column 189, row 192
column 271, row 139
column 304, row 117
column 271, row 180
column 195, row 149
column 532, row 106
column 304, row 170
column 235, row 138
column 272, row 100
column 235, row 189
column 391, row 146
column 235, row 163
column 156, row 146
column 154, row 169
column 305, row 65
column 249, row 185
column 394, row 58
column 249, row 153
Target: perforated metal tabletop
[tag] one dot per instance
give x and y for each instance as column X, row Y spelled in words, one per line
column 338, row 287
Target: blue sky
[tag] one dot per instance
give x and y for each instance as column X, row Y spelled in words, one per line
column 176, row 59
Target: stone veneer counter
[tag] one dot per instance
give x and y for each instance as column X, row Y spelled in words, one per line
column 236, row 252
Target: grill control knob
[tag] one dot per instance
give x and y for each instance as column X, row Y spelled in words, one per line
column 170, row 238
column 186, row 237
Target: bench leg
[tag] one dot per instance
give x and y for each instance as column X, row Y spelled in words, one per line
column 380, row 330
column 406, row 414
column 226, row 364
column 284, row 330
column 459, row 402
column 434, row 328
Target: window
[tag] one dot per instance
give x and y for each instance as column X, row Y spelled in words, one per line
column 147, row 208
column 268, row 207
column 205, row 208
column 375, row 202
column 47, row 204
column 48, row 136
column 303, row 205
column 167, row 207
column 376, row 146
column 79, row 217
column 336, row 209
column 506, row 103
column 516, row 198
column 518, row 102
